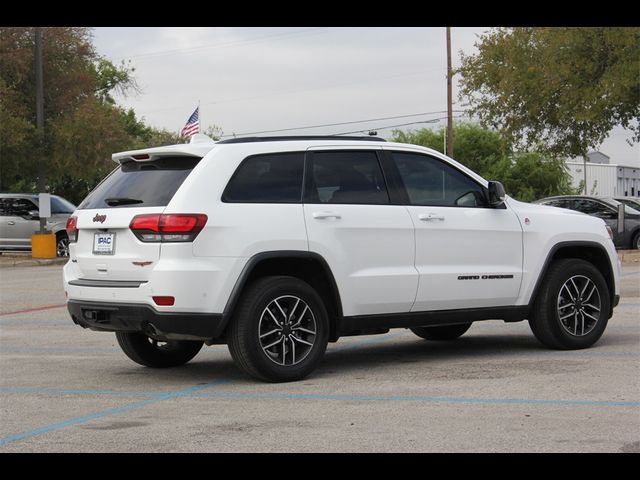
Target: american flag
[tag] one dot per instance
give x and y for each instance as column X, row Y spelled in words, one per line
column 193, row 124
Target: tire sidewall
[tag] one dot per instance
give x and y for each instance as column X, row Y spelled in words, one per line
column 270, row 291
column 566, row 339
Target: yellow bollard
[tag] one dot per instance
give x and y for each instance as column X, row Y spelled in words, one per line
column 43, row 245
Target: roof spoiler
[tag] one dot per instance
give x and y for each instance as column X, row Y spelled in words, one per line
column 198, row 146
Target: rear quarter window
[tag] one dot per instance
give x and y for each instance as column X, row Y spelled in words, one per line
column 141, row 184
column 267, row 178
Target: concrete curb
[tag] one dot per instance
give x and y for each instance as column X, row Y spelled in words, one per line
column 629, row 256
column 8, row 261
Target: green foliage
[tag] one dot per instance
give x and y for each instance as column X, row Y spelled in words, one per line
column 532, row 175
column 83, row 124
column 557, row 89
column 526, row 176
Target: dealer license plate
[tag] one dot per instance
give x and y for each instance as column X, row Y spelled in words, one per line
column 104, row 243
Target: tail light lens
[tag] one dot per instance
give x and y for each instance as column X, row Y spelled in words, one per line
column 173, row 227
column 72, row 229
column 609, row 231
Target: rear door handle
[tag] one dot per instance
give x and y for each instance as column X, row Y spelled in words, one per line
column 428, row 217
column 323, row 215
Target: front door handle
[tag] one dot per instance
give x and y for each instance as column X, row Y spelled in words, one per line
column 11, row 222
column 323, row 215
column 428, row 217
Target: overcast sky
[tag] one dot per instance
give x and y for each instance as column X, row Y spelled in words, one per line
column 257, row 79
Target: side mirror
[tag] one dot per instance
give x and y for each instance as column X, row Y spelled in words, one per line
column 621, row 218
column 496, row 194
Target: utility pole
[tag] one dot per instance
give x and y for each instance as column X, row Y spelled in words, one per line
column 449, row 97
column 40, row 117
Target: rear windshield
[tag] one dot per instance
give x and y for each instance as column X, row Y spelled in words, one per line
column 141, row 184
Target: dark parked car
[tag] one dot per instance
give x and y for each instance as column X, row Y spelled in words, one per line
column 626, row 235
column 633, row 202
column 19, row 220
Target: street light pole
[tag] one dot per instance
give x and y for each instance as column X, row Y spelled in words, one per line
column 40, row 117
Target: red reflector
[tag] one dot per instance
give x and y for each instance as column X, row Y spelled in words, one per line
column 141, row 156
column 164, row 301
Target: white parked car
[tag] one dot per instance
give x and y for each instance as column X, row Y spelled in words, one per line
column 276, row 246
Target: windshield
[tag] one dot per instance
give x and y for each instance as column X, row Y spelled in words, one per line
column 630, row 211
column 60, row 205
column 141, row 184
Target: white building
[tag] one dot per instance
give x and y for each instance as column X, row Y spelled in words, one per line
column 604, row 179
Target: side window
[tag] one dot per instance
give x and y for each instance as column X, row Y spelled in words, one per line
column 594, row 208
column 347, row 177
column 429, row 181
column 5, row 207
column 269, row 178
column 561, row 203
column 16, row 207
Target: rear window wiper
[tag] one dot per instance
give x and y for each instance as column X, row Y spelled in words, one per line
column 115, row 201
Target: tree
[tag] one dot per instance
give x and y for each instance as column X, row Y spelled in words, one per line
column 560, row 90
column 83, row 123
column 474, row 146
column 526, row 175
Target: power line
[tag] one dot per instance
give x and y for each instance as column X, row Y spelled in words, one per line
column 434, row 120
column 250, row 41
column 338, row 124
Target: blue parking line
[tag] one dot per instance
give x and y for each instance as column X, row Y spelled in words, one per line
column 195, row 392
column 106, row 413
column 417, row 398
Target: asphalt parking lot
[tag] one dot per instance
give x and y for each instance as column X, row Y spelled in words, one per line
column 65, row 389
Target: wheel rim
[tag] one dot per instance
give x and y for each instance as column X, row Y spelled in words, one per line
column 579, row 305
column 287, row 330
column 62, row 248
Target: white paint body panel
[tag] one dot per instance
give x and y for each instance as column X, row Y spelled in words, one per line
column 384, row 258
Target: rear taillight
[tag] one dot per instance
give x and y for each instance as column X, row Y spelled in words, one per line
column 72, row 229
column 172, row 227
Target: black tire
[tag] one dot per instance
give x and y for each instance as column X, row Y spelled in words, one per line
column 150, row 353
column 635, row 242
column 62, row 244
column 250, row 326
column 547, row 323
column 447, row 332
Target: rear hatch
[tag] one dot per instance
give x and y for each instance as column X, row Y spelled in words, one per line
column 106, row 248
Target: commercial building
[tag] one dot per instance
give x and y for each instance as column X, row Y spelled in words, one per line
column 603, row 178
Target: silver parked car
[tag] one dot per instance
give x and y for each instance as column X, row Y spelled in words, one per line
column 19, row 220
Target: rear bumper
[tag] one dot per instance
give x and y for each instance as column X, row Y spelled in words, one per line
column 128, row 317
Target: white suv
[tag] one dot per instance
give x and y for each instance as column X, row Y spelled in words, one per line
column 276, row 246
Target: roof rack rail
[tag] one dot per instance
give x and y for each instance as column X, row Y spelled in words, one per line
column 301, row 137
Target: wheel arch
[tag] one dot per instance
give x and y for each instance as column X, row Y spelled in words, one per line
column 310, row 267
column 591, row 252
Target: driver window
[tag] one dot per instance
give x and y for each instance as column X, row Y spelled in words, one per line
column 429, row 181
